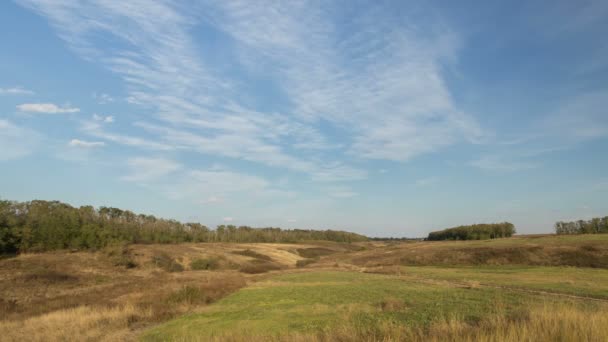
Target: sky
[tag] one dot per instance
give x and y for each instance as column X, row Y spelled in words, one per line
column 387, row 118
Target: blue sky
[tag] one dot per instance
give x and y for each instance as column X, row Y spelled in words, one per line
column 385, row 118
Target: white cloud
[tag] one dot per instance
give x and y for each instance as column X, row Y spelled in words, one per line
column 101, row 118
column 582, row 117
column 103, row 98
column 228, row 219
column 15, row 91
column 143, row 170
column 86, row 144
column 94, row 128
column 497, row 163
column 48, row 108
column 16, row 141
column 381, row 85
column 216, row 184
column 376, row 93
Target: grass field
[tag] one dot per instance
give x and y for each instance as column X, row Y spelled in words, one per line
column 309, row 304
column 524, row 288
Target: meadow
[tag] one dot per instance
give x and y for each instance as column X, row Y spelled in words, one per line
column 534, row 288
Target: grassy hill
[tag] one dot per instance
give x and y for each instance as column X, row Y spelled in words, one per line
column 519, row 288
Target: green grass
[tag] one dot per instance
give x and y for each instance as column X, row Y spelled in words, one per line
column 544, row 240
column 567, row 280
column 311, row 302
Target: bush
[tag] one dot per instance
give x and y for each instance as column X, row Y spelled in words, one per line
column 120, row 255
column 304, row 262
column 314, row 252
column 205, row 264
column 166, row 263
column 259, row 267
column 189, row 295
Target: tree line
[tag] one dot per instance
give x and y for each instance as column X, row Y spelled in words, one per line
column 481, row 231
column 38, row 225
column 596, row 225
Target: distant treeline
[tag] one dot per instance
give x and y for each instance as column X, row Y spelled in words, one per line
column 596, row 225
column 50, row 225
column 474, row 232
column 395, row 239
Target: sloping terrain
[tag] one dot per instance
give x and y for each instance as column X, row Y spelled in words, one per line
column 570, row 250
column 309, row 291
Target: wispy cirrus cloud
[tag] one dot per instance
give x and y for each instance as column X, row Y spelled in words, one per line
column 144, row 169
column 103, row 98
column 16, row 141
column 46, row 108
column 86, row 144
column 499, row 163
column 106, row 119
column 16, row 91
column 581, row 117
column 380, row 86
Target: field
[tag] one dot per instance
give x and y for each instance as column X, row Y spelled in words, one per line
column 521, row 288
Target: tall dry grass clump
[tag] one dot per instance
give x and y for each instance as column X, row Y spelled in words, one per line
column 564, row 322
column 77, row 324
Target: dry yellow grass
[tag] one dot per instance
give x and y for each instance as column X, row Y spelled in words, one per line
column 77, row 324
column 578, row 251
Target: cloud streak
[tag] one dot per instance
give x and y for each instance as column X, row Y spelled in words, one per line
column 86, row 144
column 46, row 108
column 380, row 86
column 16, row 91
column 16, row 141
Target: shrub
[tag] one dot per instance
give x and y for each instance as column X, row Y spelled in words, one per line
column 205, row 264
column 259, row 267
column 189, row 295
column 166, row 263
column 392, row 305
column 304, row 262
column 314, row 252
column 120, row 255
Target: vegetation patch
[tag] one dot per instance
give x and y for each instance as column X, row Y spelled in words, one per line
column 259, row 266
column 188, row 295
column 205, row 264
column 167, row 263
column 314, row 252
column 345, row 306
column 120, row 255
column 597, row 225
column 48, row 276
column 306, row 262
column 474, row 232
